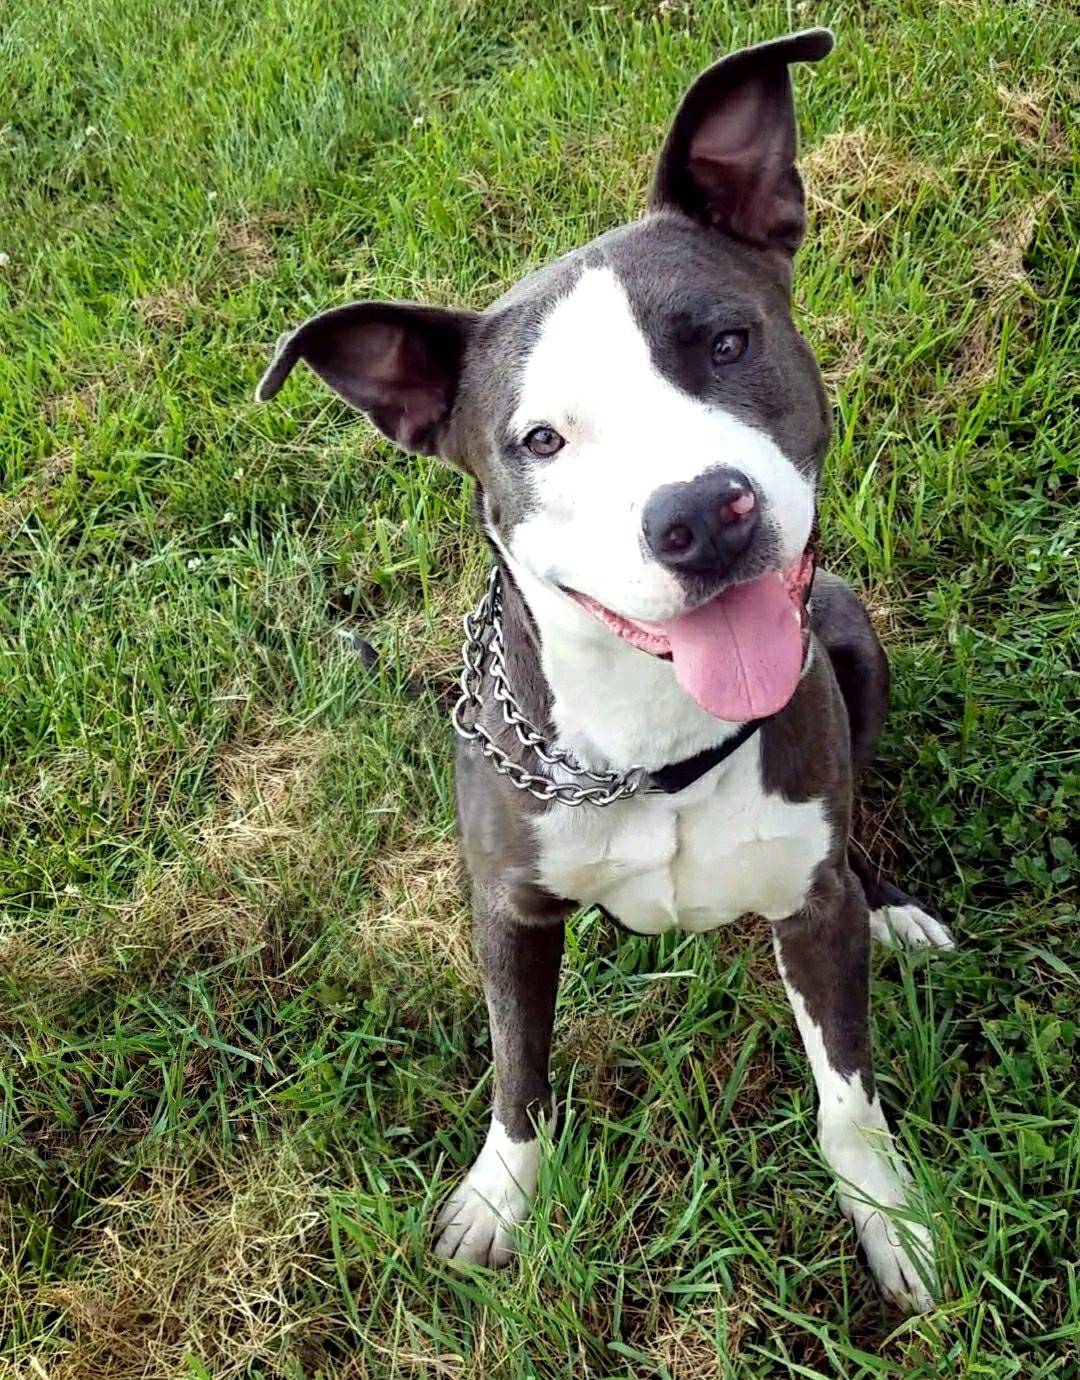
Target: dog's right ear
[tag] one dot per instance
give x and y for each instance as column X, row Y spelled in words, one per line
column 396, row 361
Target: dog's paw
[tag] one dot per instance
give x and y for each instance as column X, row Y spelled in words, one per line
column 900, row 1255
column 476, row 1231
column 909, row 927
column 476, row 1225
column 875, row 1192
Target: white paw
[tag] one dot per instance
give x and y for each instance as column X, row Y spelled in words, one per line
column 476, row 1225
column 908, row 927
column 874, row 1188
column 900, row 1255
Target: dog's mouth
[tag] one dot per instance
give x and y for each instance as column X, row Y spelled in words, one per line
column 740, row 654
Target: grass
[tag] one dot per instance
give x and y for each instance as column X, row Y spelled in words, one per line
column 242, row 1047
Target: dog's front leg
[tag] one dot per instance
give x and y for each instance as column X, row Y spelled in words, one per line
column 824, row 956
column 519, row 941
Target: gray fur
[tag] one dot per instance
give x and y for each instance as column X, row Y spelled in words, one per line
column 825, row 950
column 519, row 941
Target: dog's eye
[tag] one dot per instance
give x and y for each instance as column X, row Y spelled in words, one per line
column 729, row 346
column 542, row 440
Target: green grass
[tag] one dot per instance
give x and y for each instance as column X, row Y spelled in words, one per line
column 242, row 1047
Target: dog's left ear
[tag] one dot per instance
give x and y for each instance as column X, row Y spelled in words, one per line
column 729, row 158
column 397, row 361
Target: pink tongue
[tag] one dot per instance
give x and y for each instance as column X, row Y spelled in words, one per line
column 739, row 656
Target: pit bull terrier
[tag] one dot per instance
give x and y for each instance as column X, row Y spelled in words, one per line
column 664, row 704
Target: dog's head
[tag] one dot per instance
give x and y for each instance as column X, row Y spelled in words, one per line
column 644, row 421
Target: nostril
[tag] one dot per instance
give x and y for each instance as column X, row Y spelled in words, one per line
column 677, row 538
column 734, row 510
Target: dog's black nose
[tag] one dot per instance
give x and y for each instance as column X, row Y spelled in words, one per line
column 702, row 526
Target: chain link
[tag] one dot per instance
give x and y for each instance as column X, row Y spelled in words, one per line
column 483, row 649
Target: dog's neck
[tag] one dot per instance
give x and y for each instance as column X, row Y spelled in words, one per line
column 612, row 707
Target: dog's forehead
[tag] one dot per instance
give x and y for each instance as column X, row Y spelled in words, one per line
column 670, row 264
column 666, row 267
column 664, row 258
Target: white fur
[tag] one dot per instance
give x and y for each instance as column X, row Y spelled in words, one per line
column 476, row 1225
column 628, row 431
column 872, row 1179
column 694, row 860
column 909, row 927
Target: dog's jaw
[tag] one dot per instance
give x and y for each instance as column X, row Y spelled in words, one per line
column 650, row 636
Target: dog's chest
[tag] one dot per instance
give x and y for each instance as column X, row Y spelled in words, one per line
column 692, row 861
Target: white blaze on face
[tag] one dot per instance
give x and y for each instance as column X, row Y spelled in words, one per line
column 628, row 431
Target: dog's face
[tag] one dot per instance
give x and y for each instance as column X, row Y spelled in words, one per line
column 644, row 421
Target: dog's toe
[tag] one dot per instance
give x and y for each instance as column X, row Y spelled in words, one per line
column 901, row 1262
column 476, row 1227
column 909, row 927
column 471, row 1232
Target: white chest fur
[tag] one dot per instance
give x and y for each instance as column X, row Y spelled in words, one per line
column 694, row 860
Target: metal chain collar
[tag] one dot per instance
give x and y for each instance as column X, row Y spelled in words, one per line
column 483, row 650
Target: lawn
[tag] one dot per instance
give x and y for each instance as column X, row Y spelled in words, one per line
column 242, row 1044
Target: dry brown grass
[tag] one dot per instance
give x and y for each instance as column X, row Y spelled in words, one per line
column 855, row 184
column 80, row 405
column 246, row 249
column 1032, row 122
column 221, row 1264
column 267, row 831
column 166, row 308
column 130, row 366
column 419, row 910
column 406, row 1352
column 597, row 1040
column 16, row 507
column 590, row 1038
column 262, row 829
column 837, row 340
column 219, row 890
column 1005, row 301
column 427, row 640
column 265, row 785
column 999, row 267
column 683, row 1344
column 214, row 1267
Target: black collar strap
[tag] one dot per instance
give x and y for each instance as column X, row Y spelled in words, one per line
column 676, row 776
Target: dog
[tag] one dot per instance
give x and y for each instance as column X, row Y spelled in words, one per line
column 665, row 703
